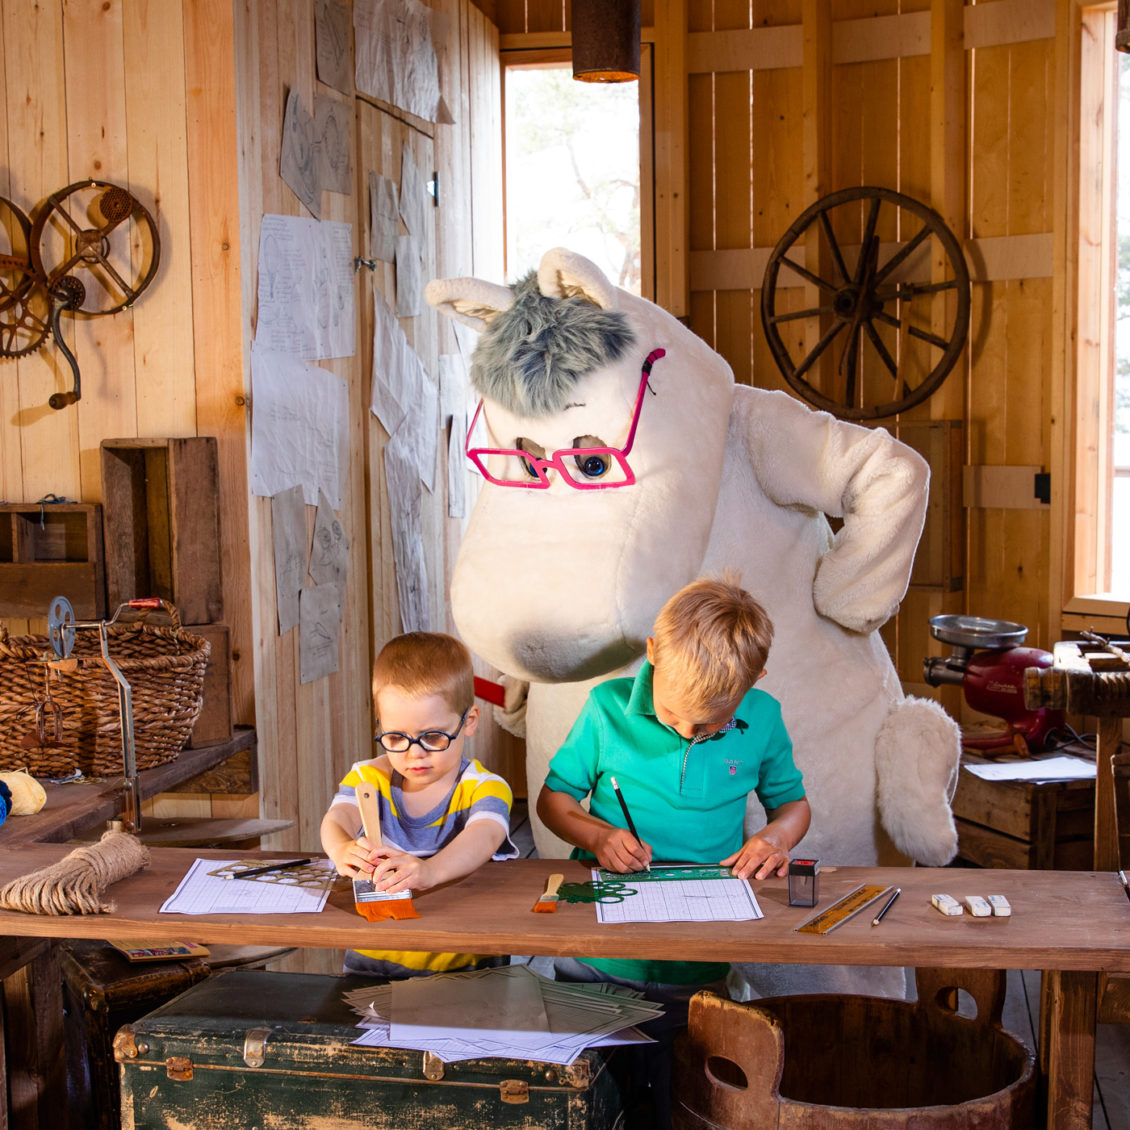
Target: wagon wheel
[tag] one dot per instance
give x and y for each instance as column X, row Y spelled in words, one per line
column 885, row 310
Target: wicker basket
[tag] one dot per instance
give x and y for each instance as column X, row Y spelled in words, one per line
column 164, row 668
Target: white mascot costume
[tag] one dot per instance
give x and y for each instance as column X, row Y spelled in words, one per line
column 558, row 584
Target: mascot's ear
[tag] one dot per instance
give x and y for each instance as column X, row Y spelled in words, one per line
column 473, row 302
column 565, row 274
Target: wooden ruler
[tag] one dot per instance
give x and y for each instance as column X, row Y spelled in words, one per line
column 843, row 909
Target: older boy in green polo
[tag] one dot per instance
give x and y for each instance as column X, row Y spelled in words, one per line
column 687, row 739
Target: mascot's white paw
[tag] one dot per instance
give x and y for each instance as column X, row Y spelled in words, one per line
column 511, row 715
column 917, row 756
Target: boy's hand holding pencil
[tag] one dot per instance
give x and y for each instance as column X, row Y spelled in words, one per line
column 625, row 851
column 618, row 850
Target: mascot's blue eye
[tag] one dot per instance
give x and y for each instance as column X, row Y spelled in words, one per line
column 530, row 448
column 594, row 466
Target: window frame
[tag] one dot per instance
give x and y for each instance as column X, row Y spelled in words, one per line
column 1083, row 473
column 534, row 50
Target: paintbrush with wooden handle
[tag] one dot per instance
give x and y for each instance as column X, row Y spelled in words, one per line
column 369, row 902
column 547, row 904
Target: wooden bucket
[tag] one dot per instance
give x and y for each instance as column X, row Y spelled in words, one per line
column 855, row 1062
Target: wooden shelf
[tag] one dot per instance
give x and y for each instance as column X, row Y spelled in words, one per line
column 73, row 808
column 47, row 550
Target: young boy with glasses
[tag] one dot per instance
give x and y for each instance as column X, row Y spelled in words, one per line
column 442, row 815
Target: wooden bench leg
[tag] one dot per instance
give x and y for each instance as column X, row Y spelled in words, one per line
column 1067, row 1047
column 33, row 1031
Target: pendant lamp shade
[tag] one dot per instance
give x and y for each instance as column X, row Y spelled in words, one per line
column 606, row 40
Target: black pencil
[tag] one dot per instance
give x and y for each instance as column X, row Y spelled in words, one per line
column 886, row 906
column 267, row 869
column 627, row 816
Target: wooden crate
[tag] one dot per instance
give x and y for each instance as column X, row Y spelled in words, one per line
column 48, row 550
column 1033, row 825
column 162, row 524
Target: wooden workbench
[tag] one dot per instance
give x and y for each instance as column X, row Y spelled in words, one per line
column 31, row 1080
column 1070, row 925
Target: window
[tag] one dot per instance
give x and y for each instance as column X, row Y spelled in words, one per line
column 1100, row 564
column 572, row 153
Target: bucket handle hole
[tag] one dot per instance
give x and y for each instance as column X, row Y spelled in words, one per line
column 726, row 1073
column 956, row 1002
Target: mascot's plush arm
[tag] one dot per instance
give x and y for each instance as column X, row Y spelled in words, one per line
column 876, row 484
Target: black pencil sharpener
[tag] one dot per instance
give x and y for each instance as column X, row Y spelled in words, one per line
column 803, row 875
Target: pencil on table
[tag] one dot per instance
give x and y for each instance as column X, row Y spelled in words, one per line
column 267, row 870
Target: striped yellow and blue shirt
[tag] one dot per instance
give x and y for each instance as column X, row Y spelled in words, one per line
column 477, row 794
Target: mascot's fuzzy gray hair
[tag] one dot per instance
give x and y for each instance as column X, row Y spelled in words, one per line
column 532, row 355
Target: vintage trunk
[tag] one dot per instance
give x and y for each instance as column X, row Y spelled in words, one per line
column 274, row 1050
column 102, row 990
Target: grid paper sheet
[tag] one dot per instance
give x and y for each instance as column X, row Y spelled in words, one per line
column 668, row 899
column 201, row 893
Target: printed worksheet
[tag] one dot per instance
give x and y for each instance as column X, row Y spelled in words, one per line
column 700, row 893
column 201, row 892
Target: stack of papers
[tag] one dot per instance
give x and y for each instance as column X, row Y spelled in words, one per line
column 507, row 1013
column 1060, row 768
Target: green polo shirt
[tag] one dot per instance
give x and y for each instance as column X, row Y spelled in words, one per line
column 687, row 798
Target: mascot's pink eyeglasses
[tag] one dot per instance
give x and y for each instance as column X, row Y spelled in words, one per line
column 583, row 468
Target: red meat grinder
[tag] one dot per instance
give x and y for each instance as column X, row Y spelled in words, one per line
column 988, row 664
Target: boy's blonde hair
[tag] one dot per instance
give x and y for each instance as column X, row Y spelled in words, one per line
column 423, row 663
column 712, row 639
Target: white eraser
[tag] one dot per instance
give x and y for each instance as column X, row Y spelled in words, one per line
column 947, row 904
column 1000, row 906
column 978, row 906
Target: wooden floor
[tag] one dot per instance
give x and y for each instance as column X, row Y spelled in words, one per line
column 1022, row 1006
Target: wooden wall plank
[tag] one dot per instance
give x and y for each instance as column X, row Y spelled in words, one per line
column 701, row 112
column 700, row 187
column 275, row 665
column 1009, row 21
column 485, row 75
column 778, row 184
column 96, row 147
column 750, row 49
column 214, row 234
column 733, row 193
column 11, row 471
column 36, row 109
column 671, row 157
column 164, row 361
column 881, row 35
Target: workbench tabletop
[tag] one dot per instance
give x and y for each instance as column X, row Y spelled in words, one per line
column 1060, row 920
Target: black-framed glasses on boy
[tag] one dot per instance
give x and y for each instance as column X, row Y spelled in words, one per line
column 433, row 741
